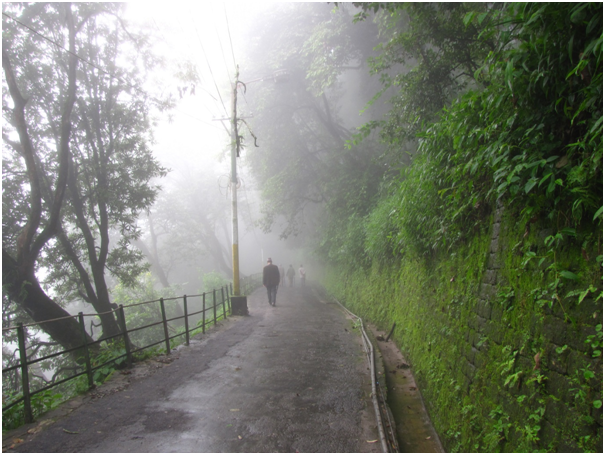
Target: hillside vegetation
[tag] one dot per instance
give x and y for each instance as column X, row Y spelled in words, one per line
column 487, row 251
column 467, row 209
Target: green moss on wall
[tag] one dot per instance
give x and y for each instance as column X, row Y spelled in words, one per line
column 507, row 356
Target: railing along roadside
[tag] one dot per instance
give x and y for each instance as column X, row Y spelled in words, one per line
column 221, row 305
column 251, row 282
column 369, row 350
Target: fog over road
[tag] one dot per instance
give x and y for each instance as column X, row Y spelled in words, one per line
column 290, row 378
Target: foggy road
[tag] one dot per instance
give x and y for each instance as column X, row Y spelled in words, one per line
column 290, row 378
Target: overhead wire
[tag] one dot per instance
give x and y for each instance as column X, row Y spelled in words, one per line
column 200, row 75
column 201, row 88
column 241, row 181
column 244, row 187
column 209, row 67
column 108, row 73
column 202, row 78
column 229, row 33
column 220, row 43
column 231, row 46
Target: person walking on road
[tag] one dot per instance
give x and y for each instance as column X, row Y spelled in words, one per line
column 271, row 280
column 282, row 274
column 290, row 274
column 302, row 274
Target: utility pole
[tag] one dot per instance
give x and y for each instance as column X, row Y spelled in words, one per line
column 234, row 155
column 239, row 303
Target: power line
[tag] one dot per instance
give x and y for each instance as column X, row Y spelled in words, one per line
column 209, row 67
column 200, row 76
column 229, row 33
column 220, row 43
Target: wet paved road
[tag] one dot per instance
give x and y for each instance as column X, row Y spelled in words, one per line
column 290, row 378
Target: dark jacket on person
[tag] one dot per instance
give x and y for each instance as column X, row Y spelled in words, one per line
column 271, row 275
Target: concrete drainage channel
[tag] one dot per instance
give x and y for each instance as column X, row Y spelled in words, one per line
column 384, row 418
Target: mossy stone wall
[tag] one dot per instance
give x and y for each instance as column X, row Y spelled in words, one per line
column 501, row 368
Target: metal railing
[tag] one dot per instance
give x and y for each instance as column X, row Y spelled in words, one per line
column 141, row 326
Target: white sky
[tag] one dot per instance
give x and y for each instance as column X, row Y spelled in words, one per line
column 193, row 140
column 203, row 33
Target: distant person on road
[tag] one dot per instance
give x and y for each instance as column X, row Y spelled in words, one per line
column 302, row 274
column 290, row 274
column 271, row 280
column 282, row 274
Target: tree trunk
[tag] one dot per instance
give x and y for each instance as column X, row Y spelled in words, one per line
column 22, row 286
column 18, row 274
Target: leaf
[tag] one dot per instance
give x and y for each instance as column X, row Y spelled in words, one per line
column 569, row 231
column 468, row 18
column 546, row 177
column 530, row 184
column 509, row 74
column 569, row 275
column 597, row 404
column 578, row 14
column 551, row 187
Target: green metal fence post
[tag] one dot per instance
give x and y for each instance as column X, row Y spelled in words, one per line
column 204, row 313
column 122, row 320
column 229, row 300
column 27, row 405
column 165, row 326
column 223, row 299
column 186, row 320
column 91, row 381
column 214, row 304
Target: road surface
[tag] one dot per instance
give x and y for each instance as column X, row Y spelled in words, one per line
column 289, row 378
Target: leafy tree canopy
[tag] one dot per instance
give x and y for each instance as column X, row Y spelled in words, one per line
column 89, row 169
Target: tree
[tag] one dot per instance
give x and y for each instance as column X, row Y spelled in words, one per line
column 38, row 223
column 103, row 168
column 110, row 175
column 429, row 55
column 305, row 170
column 526, row 129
